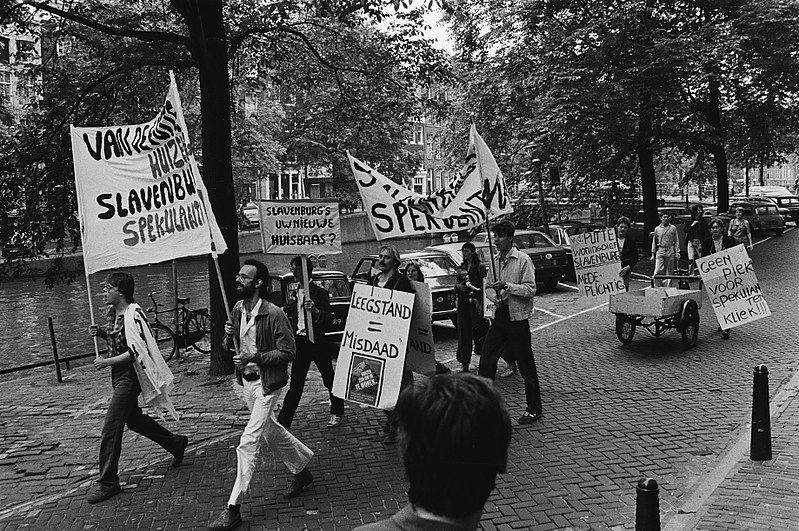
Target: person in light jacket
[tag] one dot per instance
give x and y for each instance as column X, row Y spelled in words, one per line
column 512, row 280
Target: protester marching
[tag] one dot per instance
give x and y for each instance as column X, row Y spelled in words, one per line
column 145, row 203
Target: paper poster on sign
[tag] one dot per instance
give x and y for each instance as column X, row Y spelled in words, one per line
column 488, row 305
column 373, row 347
column 597, row 265
column 421, row 355
column 300, row 227
column 732, row 287
column 141, row 199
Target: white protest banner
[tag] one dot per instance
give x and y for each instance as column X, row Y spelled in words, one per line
column 372, row 355
column 421, row 355
column 488, row 305
column 487, row 181
column 141, row 199
column 732, row 287
column 300, row 227
column 388, row 206
column 597, row 265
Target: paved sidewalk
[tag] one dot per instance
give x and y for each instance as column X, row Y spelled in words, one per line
column 612, row 415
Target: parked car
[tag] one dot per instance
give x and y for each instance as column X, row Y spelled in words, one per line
column 561, row 234
column 250, row 211
column 336, row 283
column 791, row 203
column 439, row 270
column 551, row 261
column 760, row 212
column 679, row 215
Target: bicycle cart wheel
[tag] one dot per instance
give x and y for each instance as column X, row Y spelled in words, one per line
column 165, row 338
column 199, row 332
column 689, row 323
column 625, row 328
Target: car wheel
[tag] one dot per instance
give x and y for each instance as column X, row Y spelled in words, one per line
column 551, row 283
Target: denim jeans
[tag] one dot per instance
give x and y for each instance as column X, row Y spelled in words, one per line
column 515, row 337
column 124, row 409
column 263, row 424
column 306, row 353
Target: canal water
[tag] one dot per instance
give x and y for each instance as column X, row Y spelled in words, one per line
column 25, row 304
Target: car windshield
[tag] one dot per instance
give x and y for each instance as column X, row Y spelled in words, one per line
column 433, row 266
column 793, row 201
column 336, row 287
column 765, row 209
column 532, row 241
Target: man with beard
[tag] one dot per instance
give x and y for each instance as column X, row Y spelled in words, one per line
column 266, row 346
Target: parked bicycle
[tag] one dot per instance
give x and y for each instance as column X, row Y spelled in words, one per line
column 193, row 327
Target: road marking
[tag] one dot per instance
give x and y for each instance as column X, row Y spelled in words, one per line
column 553, row 314
column 568, row 317
column 575, row 288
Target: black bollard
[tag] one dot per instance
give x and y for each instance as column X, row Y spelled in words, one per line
column 647, row 506
column 56, row 362
column 760, row 447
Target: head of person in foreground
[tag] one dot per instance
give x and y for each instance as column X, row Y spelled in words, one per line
column 453, row 434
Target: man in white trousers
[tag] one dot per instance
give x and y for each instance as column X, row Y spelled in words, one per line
column 266, row 346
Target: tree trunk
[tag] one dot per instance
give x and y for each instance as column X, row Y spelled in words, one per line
column 647, row 166
column 718, row 149
column 204, row 20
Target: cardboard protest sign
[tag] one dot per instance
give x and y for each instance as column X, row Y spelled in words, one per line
column 372, row 355
column 488, row 305
column 597, row 265
column 300, row 227
column 732, row 287
column 141, row 198
column 421, row 355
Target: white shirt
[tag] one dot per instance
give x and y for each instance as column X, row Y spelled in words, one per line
column 301, row 313
column 247, row 338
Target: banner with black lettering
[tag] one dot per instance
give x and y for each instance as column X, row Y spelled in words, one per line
column 141, row 199
column 477, row 193
column 597, row 264
column 732, row 287
column 300, row 227
column 421, row 355
column 372, row 355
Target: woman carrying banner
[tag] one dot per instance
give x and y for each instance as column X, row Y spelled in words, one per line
column 137, row 367
column 718, row 241
column 469, row 293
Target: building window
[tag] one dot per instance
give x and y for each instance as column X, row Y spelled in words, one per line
column 418, row 135
column 429, row 146
column 5, row 84
column 5, row 53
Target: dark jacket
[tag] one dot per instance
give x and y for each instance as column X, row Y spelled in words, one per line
column 476, row 273
column 274, row 340
column 398, row 282
column 727, row 242
column 629, row 253
column 696, row 232
column 321, row 321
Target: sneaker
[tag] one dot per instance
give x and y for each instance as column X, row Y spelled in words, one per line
column 298, row 484
column 100, row 494
column 508, row 372
column 177, row 457
column 529, row 418
column 229, row 519
column 334, row 421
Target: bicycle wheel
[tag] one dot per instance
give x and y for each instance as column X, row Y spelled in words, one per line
column 165, row 338
column 199, row 332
